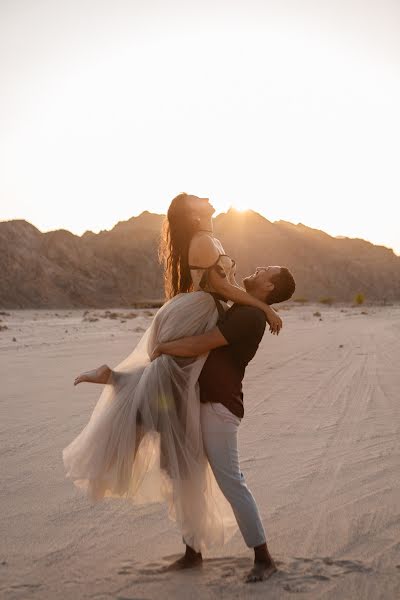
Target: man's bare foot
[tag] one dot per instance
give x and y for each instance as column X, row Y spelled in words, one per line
column 99, row 375
column 184, row 563
column 189, row 560
column 261, row 571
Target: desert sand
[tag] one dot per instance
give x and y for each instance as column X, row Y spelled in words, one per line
column 320, row 449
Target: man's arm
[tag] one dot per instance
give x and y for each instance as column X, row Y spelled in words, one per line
column 192, row 346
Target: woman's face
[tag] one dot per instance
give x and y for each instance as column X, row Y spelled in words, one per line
column 199, row 207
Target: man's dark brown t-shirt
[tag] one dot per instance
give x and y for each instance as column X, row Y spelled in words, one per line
column 223, row 372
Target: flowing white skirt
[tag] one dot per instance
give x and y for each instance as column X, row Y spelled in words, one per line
column 143, row 440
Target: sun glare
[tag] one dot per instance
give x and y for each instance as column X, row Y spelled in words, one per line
column 240, row 206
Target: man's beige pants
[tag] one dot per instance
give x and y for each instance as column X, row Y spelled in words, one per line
column 220, row 430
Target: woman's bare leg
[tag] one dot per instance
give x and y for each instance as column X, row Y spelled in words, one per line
column 99, row 375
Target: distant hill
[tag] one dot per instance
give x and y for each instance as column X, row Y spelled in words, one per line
column 120, row 267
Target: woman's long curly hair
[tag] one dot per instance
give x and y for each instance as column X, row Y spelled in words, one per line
column 178, row 229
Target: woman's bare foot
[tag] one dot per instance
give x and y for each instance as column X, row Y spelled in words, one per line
column 261, row 571
column 99, row 375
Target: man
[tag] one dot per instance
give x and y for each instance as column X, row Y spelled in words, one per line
column 232, row 344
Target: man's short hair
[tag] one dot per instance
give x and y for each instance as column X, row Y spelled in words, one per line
column 284, row 286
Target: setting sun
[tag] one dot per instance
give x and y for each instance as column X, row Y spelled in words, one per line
column 240, row 206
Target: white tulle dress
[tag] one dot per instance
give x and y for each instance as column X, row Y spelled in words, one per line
column 143, row 441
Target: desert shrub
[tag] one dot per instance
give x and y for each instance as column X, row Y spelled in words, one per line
column 359, row 298
column 328, row 301
column 317, row 314
column 302, row 300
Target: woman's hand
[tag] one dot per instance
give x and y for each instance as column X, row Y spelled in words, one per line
column 274, row 320
column 156, row 352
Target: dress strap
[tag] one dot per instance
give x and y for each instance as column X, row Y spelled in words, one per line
column 210, row 267
column 218, row 268
column 204, row 284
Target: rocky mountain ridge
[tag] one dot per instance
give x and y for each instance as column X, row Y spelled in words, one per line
column 119, row 267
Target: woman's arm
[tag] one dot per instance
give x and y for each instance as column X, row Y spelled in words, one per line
column 240, row 296
column 203, row 253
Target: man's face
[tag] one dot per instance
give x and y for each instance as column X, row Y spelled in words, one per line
column 261, row 279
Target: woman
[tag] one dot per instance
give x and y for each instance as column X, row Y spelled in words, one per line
column 143, row 440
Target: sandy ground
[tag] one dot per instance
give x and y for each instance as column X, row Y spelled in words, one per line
column 320, row 449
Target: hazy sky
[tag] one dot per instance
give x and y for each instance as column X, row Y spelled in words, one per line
column 111, row 107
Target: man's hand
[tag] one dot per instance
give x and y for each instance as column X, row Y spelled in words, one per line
column 156, row 352
column 274, row 321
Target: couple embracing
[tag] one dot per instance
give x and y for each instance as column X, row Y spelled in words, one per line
column 165, row 425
